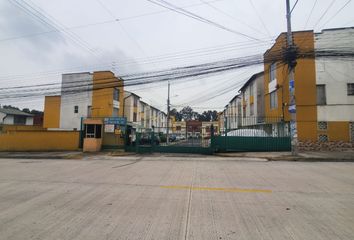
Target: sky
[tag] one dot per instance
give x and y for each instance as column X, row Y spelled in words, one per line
column 134, row 36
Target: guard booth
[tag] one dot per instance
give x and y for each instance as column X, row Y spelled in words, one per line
column 92, row 135
column 102, row 133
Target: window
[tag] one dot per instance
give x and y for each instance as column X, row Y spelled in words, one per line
column 90, row 131
column 76, row 109
column 93, row 131
column 134, row 117
column 135, row 102
column 272, row 72
column 98, row 129
column 351, row 129
column 251, row 89
column 19, row 120
column 322, row 126
column 273, row 100
column 116, row 94
column 178, row 128
column 322, row 138
column 321, row 94
column 350, row 89
column 252, row 109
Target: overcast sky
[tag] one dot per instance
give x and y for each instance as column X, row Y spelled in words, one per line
column 136, row 35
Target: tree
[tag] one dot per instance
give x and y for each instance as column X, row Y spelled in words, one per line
column 26, row 110
column 10, row 107
column 188, row 114
column 176, row 114
column 209, row 115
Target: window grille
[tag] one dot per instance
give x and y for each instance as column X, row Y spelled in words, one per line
column 323, row 138
column 322, row 125
column 350, row 89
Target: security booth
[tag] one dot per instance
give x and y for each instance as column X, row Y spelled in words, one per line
column 92, row 135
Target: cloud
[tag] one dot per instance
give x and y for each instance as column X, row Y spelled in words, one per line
column 16, row 22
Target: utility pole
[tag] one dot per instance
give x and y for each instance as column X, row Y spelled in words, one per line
column 168, row 113
column 291, row 59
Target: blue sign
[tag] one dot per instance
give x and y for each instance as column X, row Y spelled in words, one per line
column 116, row 120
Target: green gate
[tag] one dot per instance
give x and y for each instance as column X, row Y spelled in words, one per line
column 155, row 140
column 195, row 140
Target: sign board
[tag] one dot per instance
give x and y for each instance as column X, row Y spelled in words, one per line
column 115, row 120
column 109, row 128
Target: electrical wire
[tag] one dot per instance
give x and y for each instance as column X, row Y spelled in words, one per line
column 189, row 14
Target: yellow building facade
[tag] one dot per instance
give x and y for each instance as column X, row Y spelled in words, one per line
column 277, row 97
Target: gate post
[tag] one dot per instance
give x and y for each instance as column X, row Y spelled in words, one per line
column 212, row 138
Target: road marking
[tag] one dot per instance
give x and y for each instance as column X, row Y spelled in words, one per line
column 219, row 189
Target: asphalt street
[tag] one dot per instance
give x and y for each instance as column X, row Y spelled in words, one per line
column 175, row 197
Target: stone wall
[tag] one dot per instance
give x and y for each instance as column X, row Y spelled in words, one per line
column 325, row 146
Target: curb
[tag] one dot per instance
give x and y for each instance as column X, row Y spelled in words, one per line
column 67, row 157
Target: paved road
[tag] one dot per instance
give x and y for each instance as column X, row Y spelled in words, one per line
column 175, row 198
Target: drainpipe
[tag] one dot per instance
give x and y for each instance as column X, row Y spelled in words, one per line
column 3, row 119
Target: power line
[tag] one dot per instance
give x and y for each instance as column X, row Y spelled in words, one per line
column 31, row 11
column 189, row 14
column 334, row 15
column 98, row 23
column 260, row 18
column 324, row 13
column 294, row 6
column 229, row 16
column 308, row 18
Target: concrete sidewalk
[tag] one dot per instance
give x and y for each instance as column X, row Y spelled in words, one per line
column 347, row 156
column 42, row 155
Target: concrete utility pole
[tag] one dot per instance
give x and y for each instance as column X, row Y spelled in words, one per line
column 291, row 59
column 168, row 113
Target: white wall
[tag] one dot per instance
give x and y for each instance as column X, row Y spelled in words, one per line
column 2, row 115
column 82, row 82
column 335, row 74
column 29, row 121
column 9, row 120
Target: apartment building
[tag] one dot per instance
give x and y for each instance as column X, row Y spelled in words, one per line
column 83, row 95
column 323, row 86
column 133, row 110
column 252, row 96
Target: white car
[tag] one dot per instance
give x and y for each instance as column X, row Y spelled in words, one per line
column 248, row 133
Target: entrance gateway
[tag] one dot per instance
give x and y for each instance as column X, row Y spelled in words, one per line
column 116, row 133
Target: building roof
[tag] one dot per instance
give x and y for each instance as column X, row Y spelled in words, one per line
column 11, row 111
column 132, row 94
column 254, row 76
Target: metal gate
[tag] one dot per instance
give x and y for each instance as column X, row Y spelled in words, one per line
column 254, row 135
column 148, row 140
column 208, row 139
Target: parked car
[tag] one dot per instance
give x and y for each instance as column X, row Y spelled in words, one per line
column 180, row 137
column 172, row 138
column 147, row 140
column 248, row 133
